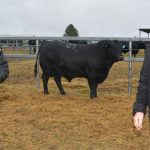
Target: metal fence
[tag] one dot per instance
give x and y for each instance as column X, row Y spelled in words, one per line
column 128, row 59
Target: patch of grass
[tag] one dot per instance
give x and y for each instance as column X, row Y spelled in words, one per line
column 16, row 50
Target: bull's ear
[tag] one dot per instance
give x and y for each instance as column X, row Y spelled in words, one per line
column 0, row 49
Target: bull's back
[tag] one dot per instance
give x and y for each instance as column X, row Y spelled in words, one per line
column 59, row 50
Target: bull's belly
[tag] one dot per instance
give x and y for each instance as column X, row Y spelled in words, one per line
column 70, row 73
column 76, row 72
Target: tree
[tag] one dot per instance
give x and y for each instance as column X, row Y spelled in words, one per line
column 71, row 31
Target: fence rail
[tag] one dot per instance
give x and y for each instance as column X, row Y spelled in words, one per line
column 72, row 38
column 28, row 56
column 20, row 56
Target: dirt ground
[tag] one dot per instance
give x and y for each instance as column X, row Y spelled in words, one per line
column 30, row 120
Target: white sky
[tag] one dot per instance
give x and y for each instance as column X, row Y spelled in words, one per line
column 90, row 17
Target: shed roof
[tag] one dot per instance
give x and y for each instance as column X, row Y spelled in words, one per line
column 146, row 30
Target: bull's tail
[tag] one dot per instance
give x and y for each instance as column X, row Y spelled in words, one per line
column 37, row 58
column 35, row 67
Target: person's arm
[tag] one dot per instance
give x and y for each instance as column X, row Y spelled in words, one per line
column 141, row 97
column 139, row 107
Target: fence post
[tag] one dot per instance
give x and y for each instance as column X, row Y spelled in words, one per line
column 130, row 69
column 37, row 46
column 37, row 77
column 16, row 45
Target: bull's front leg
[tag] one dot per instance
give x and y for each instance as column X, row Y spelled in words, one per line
column 93, row 88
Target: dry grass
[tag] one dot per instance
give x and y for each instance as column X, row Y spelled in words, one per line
column 30, row 120
column 14, row 50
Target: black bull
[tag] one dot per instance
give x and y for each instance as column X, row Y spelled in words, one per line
column 92, row 61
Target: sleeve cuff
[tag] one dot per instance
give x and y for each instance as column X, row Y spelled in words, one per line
column 138, row 107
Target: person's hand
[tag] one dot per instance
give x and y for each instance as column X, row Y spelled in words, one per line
column 138, row 120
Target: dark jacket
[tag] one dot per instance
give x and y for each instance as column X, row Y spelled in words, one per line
column 143, row 92
column 4, row 70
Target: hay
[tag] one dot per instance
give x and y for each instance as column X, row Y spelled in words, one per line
column 31, row 120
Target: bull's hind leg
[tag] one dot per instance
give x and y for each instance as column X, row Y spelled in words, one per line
column 45, row 82
column 57, row 79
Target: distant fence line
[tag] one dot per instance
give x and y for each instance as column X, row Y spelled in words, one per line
column 128, row 59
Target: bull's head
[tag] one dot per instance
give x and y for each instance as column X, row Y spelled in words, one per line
column 114, row 50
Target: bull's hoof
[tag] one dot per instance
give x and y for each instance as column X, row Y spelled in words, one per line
column 63, row 93
column 93, row 97
column 46, row 92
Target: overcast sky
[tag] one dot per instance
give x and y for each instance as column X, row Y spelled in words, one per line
column 91, row 17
